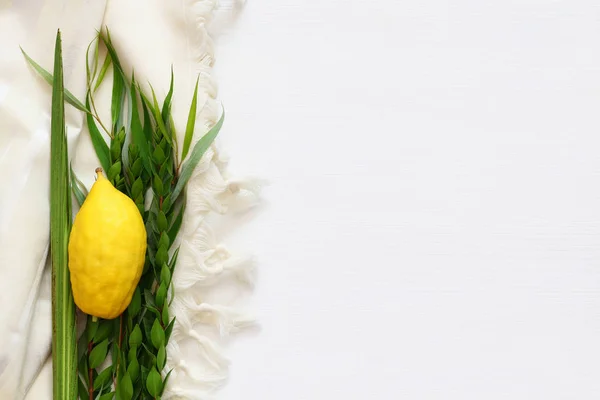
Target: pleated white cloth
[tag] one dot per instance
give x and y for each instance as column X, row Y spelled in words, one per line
column 150, row 36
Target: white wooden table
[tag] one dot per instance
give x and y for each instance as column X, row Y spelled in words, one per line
column 432, row 228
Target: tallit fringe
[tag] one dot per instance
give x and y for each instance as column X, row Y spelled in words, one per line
column 203, row 261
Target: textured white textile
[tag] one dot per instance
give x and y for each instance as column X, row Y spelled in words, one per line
column 150, row 35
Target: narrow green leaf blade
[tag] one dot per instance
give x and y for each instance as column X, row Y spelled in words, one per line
column 165, row 381
column 47, row 76
column 112, row 52
column 83, row 392
column 137, row 131
column 166, row 109
column 197, row 153
column 176, row 225
column 98, row 141
column 103, row 377
column 105, row 65
column 64, row 338
column 78, row 188
column 117, row 100
column 191, row 123
column 158, row 117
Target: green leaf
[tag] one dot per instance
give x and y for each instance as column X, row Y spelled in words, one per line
column 149, row 298
column 165, row 318
column 136, row 303
column 91, row 328
column 161, row 358
column 162, row 256
column 166, row 206
column 78, row 188
column 103, row 378
column 143, row 377
column 164, row 173
column 166, row 110
column 137, row 132
column 136, row 189
column 68, row 96
column 154, row 383
column 114, row 171
column 169, row 330
column 165, row 381
column 158, row 117
column 107, row 396
column 112, row 52
column 104, row 330
column 174, row 259
column 157, row 335
column 133, row 370
column 159, row 155
column 158, row 185
column 82, row 367
column 197, row 153
column 114, row 356
column 98, row 354
column 98, row 141
column 174, row 229
column 125, row 388
column 191, row 123
column 135, row 339
column 153, row 310
column 117, row 101
column 148, row 110
column 136, row 167
column 161, row 294
column 115, row 150
column 105, row 65
column 164, row 241
column 132, row 355
column 165, row 275
column 83, row 392
column 134, row 151
column 88, row 73
column 161, row 221
column 64, row 338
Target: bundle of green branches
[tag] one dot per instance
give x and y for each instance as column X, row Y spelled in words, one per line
column 122, row 358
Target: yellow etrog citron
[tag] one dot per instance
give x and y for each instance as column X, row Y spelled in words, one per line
column 107, row 248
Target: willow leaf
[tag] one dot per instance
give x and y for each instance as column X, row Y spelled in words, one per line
column 64, row 338
column 98, row 141
column 105, row 65
column 166, row 109
column 117, row 100
column 137, row 131
column 88, row 72
column 147, row 121
column 176, row 225
column 68, row 96
column 191, row 123
column 199, row 149
column 112, row 52
column 158, row 117
column 78, row 188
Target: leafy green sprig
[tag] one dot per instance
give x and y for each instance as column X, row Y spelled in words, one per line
column 149, row 167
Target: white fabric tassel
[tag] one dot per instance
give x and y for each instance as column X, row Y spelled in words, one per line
column 227, row 319
column 208, row 267
column 203, row 261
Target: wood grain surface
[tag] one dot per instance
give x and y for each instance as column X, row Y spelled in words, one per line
column 432, row 226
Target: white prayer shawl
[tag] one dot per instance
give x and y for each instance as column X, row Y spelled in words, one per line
column 150, row 36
